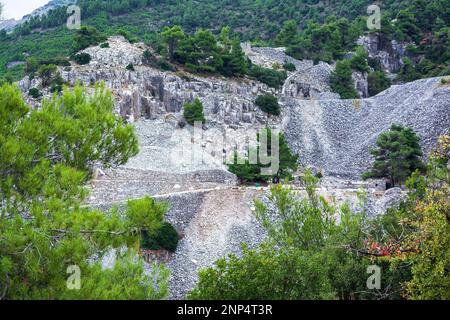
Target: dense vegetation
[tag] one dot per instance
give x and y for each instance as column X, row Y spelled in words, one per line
column 47, row 156
column 307, row 28
column 269, row 104
column 341, row 80
column 257, row 165
column 312, row 255
column 193, row 112
column 397, row 155
column 165, row 237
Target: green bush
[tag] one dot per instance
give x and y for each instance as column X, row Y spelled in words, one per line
column 272, row 78
column 127, row 35
column 359, row 61
column 251, row 172
column 104, row 45
column 269, row 104
column 35, row 93
column 47, row 73
column 156, row 62
column 130, row 67
column 86, row 37
column 397, row 155
column 378, row 82
column 82, row 58
column 193, row 112
column 289, row 66
column 166, row 237
column 341, row 80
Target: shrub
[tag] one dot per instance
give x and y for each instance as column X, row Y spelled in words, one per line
column 35, row 93
column 269, row 104
column 130, row 67
column 156, row 62
column 104, row 45
column 397, row 155
column 378, row 82
column 47, row 72
column 193, row 112
column 341, row 80
column 359, row 60
column 289, row 66
column 87, row 36
column 181, row 124
column 166, row 237
column 82, row 58
column 252, row 172
column 271, row 77
column 127, row 35
column 57, row 83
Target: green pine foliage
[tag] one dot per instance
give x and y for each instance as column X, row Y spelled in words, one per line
column 252, row 172
column 82, row 58
column 359, row 61
column 269, row 104
column 378, row 82
column 397, row 155
column 47, row 156
column 319, row 35
column 288, row 66
column 322, row 42
column 203, row 52
column 341, row 80
column 166, row 237
column 87, row 36
column 193, row 112
column 35, row 93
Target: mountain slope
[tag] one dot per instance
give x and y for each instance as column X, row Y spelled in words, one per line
column 47, row 37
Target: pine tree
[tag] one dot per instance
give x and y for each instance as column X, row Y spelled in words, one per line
column 252, row 172
column 397, row 155
column 341, row 80
column 172, row 36
column 46, row 158
column 288, row 34
column 269, row 104
column 193, row 112
column 378, row 82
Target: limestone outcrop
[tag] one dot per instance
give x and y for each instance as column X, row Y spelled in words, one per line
column 389, row 53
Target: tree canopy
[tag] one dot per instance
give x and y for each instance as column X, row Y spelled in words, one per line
column 47, row 155
column 397, row 155
column 248, row 171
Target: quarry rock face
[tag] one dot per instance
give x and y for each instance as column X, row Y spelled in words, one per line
column 187, row 167
column 389, row 53
column 337, row 135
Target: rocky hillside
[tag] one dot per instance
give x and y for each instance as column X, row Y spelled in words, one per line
column 186, row 167
column 329, row 133
column 10, row 24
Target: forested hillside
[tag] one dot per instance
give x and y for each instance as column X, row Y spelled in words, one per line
column 423, row 23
